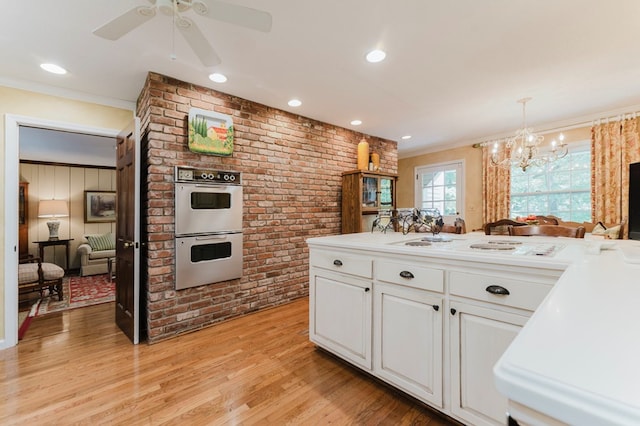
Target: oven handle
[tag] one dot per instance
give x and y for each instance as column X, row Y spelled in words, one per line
column 213, row 185
column 212, row 237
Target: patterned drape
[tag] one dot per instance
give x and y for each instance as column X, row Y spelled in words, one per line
column 631, row 155
column 613, row 147
column 496, row 187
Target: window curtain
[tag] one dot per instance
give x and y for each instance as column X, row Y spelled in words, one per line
column 496, row 187
column 613, row 147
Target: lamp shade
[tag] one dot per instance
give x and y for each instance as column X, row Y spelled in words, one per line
column 53, row 208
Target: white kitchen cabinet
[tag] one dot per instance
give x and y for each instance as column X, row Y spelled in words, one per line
column 340, row 315
column 478, row 337
column 408, row 340
column 487, row 310
column 431, row 327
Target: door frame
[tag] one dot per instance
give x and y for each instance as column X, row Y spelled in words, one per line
column 12, row 125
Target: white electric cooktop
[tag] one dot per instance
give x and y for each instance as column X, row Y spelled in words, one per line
column 488, row 246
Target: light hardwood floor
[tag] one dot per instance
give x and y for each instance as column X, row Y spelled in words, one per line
column 76, row 367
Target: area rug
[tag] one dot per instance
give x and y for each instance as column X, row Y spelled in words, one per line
column 25, row 318
column 79, row 292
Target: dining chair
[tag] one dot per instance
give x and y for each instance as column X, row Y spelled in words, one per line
column 451, row 229
column 547, row 220
column 548, row 230
column 500, row 227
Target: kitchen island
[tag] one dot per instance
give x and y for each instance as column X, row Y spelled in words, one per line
column 433, row 319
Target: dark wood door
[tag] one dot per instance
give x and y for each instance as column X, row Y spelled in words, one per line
column 128, row 231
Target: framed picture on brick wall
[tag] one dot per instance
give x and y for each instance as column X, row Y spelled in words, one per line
column 210, row 132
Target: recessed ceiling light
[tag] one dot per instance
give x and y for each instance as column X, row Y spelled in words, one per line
column 356, row 122
column 405, row 137
column 53, row 68
column 376, row 56
column 217, row 77
column 294, row 103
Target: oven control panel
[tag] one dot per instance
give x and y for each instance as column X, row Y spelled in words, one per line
column 189, row 174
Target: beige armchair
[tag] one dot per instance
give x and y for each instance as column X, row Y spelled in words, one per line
column 94, row 261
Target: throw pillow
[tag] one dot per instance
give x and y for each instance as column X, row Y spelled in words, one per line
column 599, row 229
column 612, row 232
column 101, row 242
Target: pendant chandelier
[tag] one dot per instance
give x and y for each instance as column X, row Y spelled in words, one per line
column 524, row 147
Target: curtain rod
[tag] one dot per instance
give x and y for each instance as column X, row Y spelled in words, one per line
column 613, row 116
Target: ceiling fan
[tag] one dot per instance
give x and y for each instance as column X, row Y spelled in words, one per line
column 238, row 15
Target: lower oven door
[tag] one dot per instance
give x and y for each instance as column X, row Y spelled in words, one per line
column 207, row 259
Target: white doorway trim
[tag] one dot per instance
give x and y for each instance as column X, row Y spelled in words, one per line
column 12, row 125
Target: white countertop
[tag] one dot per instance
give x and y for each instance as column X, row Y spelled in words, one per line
column 458, row 247
column 578, row 358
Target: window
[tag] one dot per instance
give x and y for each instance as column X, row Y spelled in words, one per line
column 441, row 186
column 561, row 188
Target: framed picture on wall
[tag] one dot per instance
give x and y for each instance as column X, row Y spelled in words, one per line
column 99, row 206
column 210, row 132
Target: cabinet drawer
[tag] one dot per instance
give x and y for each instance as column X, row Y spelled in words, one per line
column 410, row 275
column 341, row 262
column 522, row 294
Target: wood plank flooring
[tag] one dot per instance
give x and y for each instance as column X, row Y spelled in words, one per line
column 76, row 367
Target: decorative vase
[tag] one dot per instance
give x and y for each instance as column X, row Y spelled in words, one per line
column 363, row 155
column 375, row 159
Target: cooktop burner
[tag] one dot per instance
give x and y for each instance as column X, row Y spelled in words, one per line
column 506, row 242
column 492, row 246
column 437, row 239
column 418, row 243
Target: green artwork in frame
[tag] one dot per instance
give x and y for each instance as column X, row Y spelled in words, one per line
column 210, row 132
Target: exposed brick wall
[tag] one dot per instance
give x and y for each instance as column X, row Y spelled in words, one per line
column 291, row 168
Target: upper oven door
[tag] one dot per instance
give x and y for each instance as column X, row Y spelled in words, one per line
column 204, row 209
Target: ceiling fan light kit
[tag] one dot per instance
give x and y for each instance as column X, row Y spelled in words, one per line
column 230, row 13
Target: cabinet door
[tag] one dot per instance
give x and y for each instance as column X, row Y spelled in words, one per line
column 340, row 315
column 386, row 193
column 479, row 336
column 378, row 192
column 370, row 192
column 408, row 340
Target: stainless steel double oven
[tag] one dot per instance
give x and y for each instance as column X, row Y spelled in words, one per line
column 208, row 226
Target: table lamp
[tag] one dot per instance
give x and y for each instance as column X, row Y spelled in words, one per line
column 53, row 209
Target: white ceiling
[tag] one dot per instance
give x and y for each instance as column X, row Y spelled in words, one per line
column 453, row 73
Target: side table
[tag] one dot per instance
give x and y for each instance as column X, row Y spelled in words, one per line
column 54, row 242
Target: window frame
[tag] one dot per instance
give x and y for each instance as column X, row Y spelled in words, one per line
column 459, row 165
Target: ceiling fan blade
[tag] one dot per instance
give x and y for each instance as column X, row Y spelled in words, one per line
column 124, row 23
column 239, row 15
column 197, row 41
